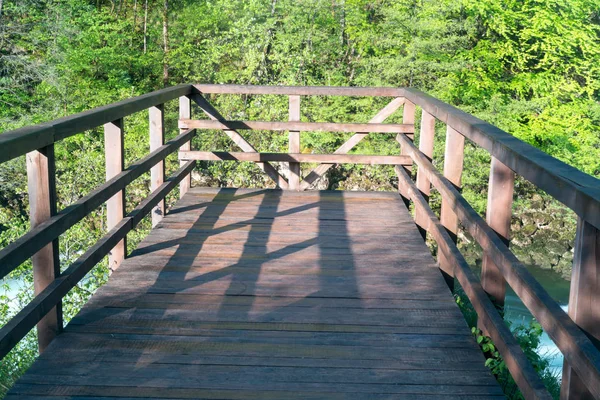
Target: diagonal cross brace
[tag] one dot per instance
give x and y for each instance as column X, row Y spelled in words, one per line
column 381, row 116
column 239, row 140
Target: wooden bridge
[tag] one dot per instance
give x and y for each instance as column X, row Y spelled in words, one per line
column 287, row 293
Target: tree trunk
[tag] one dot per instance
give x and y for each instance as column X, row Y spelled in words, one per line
column 145, row 26
column 166, row 42
column 134, row 20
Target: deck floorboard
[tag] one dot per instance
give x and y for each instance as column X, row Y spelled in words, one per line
column 266, row 294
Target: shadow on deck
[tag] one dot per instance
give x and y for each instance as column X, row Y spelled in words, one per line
column 265, row 294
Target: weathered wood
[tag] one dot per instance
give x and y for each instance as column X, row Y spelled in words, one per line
column 294, row 143
column 300, row 90
column 41, row 172
column 498, row 216
column 426, row 141
column 114, row 150
column 381, row 116
column 18, row 251
column 239, row 140
column 408, row 118
column 584, row 298
column 453, row 166
column 525, row 376
column 297, row 126
column 15, row 329
column 579, row 351
column 157, row 173
column 185, row 112
column 298, row 157
column 20, row 141
column 567, row 184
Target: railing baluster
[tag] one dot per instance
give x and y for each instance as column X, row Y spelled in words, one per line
column 46, row 264
column 115, row 206
column 453, row 166
column 185, row 112
column 498, row 216
column 157, row 173
column 426, row 147
column 408, row 117
column 584, row 299
column 294, row 143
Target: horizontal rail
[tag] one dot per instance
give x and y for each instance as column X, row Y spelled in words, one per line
column 24, row 247
column 300, row 90
column 295, row 157
column 32, row 313
column 296, row 126
column 574, row 188
column 577, row 348
column 525, row 376
column 20, row 141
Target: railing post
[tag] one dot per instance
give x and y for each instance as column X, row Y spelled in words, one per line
column 408, row 117
column 453, row 166
column 584, row 300
column 157, row 173
column 115, row 206
column 46, row 264
column 498, row 216
column 294, row 143
column 185, row 112
column 426, row 147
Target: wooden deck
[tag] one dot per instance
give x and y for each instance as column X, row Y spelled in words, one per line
column 265, row 294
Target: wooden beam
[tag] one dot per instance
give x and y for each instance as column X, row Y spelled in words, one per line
column 297, row 157
column 525, row 376
column 579, row 351
column 157, row 173
column 408, row 118
column 20, row 141
column 115, row 206
column 574, row 188
column 453, row 166
column 498, row 216
column 239, row 140
column 24, row 247
column 41, row 174
column 381, row 116
column 16, row 328
column 584, row 301
column 300, row 90
column 297, row 126
column 426, row 141
column 294, row 143
column 185, row 112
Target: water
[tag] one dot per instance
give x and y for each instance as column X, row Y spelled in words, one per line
column 518, row 314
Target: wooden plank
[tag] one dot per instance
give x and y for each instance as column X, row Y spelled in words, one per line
column 41, row 172
column 408, row 117
column 18, row 251
column 453, row 167
column 297, row 126
column 381, row 116
column 426, row 142
column 20, row 141
column 525, row 376
column 300, row 90
column 498, row 216
column 298, row 157
column 574, row 188
column 583, row 301
column 578, row 349
column 239, row 140
column 17, row 327
column 114, row 150
column 156, row 116
column 294, row 143
column 185, row 112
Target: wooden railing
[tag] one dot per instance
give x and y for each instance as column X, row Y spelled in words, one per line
column 576, row 334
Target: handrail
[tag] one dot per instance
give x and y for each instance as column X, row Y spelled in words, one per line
column 20, row 141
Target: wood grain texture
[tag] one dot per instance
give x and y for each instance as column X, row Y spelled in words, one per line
column 185, row 112
column 297, row 126
column 296, row 157
column 269, row 294
column 156, row 116
column 294, row 143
